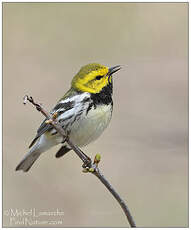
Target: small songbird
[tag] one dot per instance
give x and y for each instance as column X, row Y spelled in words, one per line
column 84, row 112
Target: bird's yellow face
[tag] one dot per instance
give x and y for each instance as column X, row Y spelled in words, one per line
column 92, row 78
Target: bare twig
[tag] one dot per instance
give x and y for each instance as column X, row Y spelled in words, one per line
column 88, row 165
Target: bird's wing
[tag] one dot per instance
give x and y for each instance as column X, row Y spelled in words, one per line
column 65, row 108
column 42, row 129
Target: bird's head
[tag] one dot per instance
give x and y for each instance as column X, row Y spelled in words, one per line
column 93, row 77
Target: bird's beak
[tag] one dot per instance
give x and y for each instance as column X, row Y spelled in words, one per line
column 114, row 69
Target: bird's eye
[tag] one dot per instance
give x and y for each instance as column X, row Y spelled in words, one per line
column 98, row 77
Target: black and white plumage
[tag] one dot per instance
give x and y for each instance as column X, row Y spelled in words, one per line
column 83, row 116
column 80, row 116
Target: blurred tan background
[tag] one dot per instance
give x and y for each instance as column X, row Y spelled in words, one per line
column 144, row 150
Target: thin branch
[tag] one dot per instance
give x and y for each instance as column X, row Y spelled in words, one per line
column 88, row 165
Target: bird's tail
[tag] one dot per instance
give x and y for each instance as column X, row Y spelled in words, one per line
column 28, row 160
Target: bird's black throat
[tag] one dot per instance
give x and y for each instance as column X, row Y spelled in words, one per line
column 104, row 97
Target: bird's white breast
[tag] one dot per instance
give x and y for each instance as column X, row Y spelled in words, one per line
column 89, row 127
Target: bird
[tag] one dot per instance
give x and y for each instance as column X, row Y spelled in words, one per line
column 84, row 112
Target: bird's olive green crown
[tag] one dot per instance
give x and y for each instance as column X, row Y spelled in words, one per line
column 93, row 78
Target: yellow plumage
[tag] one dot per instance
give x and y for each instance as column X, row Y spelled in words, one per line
column 84, row 112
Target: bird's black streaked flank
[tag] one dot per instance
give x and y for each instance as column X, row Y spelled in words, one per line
column 84, row 112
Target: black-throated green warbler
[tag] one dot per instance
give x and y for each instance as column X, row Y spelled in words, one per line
column 84, row 112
